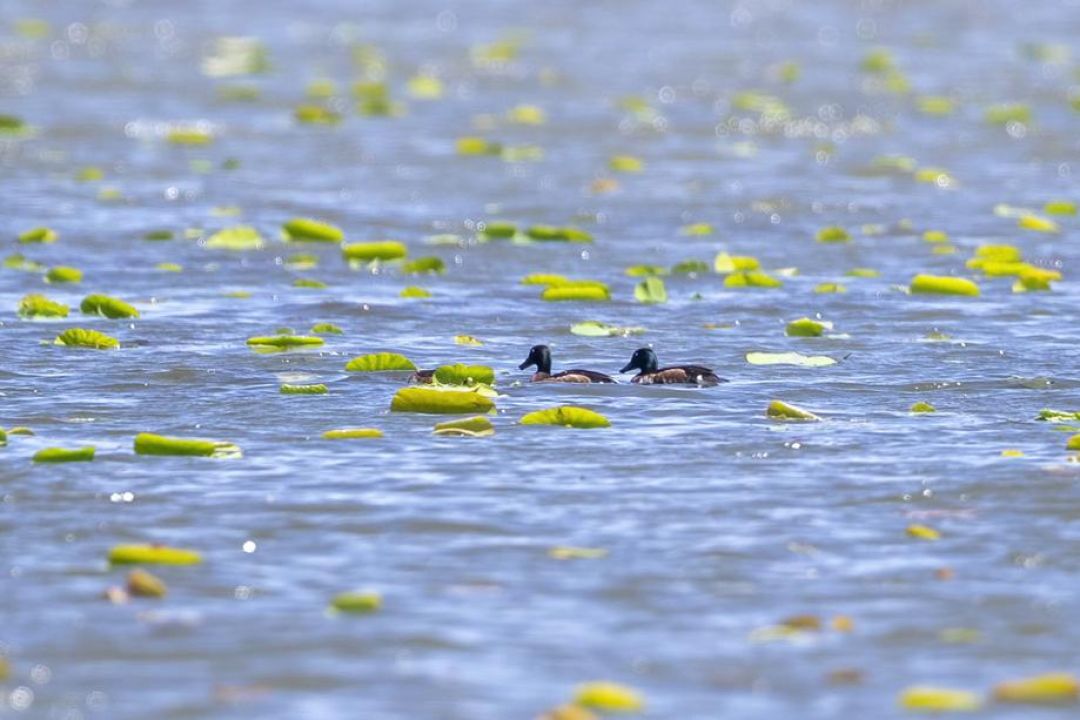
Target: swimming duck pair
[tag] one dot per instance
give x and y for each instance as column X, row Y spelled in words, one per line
column 644, row 360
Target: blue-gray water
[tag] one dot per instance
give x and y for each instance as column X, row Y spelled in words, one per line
column 717, row 521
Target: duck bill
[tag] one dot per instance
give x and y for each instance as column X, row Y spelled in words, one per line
column 525, row 364
column 628, row 368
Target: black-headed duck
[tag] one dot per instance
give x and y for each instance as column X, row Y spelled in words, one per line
column 540, row 356
column 644, row 360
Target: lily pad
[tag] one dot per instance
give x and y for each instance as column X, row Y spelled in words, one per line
column 651, row 291
column 284, row 342
column 467, row 340
column 237, row 238
column 63, row 274
column 568, row 293
column 922, row 407
column 150, row 444
column 309, row 283
column 352, row 434
column 1038, row 224
column 806, row 327
column 498, row 230
column 626, row 164
column 152, row 555
column 592, row 328
column 943, row 285
column 414, row 292
column 780, row 410
column 465, row 374
column 318, row 389
column 922, row 532
column 724, row 264
column 566, row 416
column 326, row 329
column 308, row 230
column 833, row 234
column 925, row 698
column 609, row 697
column 82, row 337
column 478, row 426
column 1050, row 689
column 143, row 584
column 59, row 455
column 424, row 265
column 34, row 305
column 753, row 278
column 789, row 358
column 371, row 251
column 380, row 362
column 1057, row 416
column 550, row 233
column 38, row 235
column 311, row 114
column 429, row 400
column 106, row 306
column 547, row 279
column 357, row 602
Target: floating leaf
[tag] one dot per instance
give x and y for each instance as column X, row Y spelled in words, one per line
column 587, row 293
column 923, row 532
column 150, row 444
column 725, row 264
column 40, row 306
column 1056, row 416
column 567, row 416
column 646, row 270
column 465, row 374
column 922, row 407
column 380, row 362
column 318, row 389
column 1038, row 224
column 477, row 146
column 467, row 340
column 429, row 400
column 564, row 552
column 63, row 274
column 1073, row 443
column 38, row 235
column 19, row 261
column 1060, row 207
column 371, row 251
column 1049, row 689
column 326, row 329
column 544, row 279
column 58, row 455
column 415, row 292
column 780, row 410
column 143, row 584
column 152, row 555
column 357, row 602
column 308, row 114
column 651, row 291
column 90, row 173
column 696, row 229
column 549, row 233
column 308, row 230
column 424, row 87
column 935, row 236
column 806, row 327
column 169, row 267
column 942, row 285
column 753, row 278
column 352, row 434
column 609, row 697
column 690, row 267
column 626, row 164
column 1007, row 113
column 106, row 306
column 592, row 328
column 832, row 234
column 81, row 337
column 189, row 136
column 789, row 358
column 478, row 426
column 497, row 230
column 826, row 288
column 237, row 238
column 424, row 265
column 937, row 105
column 284, row 342
column 925, row 698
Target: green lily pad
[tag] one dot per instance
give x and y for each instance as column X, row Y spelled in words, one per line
column 550, row 233
column 308, row 230
column 34, row 305
column 414, row 292
column 587, row 293
column 356, row 602
column 150, row 444
column 806, row 327
column 152, row 555
column 38, row 235
column 478, row 426
column 465, row 375
column 473, row 145
column 498, row 230
column 18, row 261
column 106, row 306
column 326, row 329
column 380, row 362
column 780, row 410
column 724, row 264
column 63, row 274
column 309, row 283
column 651, row 291
column 646, row 270
column 547, row 279
column 352, row 434
column 942, row 285
column 424, row 265
column 1057, row 416
column 59, row 455
column 751, row 278
column 566, row 416
column 922, row 407
column 826, row 288
column 833, row 234
column 81, row 337
column 626, row 164
column 318, row 389
column 429, row 400
column 370, row 251
column 1073, row 443
column 316, row 115
column 284, row 342
column 237, row 238
column 690, row 267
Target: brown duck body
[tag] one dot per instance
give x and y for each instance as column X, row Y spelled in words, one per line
column 422, row 377
column 572, row 376
column 679, row 375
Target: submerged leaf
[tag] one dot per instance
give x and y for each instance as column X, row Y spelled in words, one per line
column 152, row 555
column 478, row 426
column 81, row 337
column 789, row 358
column 566, row 416
column 106, row 306
column 565, row 552
column 380, row 362
column 429, row 400
column 54, row 454
column 150, row 444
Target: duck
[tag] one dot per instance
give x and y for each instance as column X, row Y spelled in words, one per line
column 540, row 356
column 644, row 359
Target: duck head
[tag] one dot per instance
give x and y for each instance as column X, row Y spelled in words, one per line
column 540, row 356
column 643, row 359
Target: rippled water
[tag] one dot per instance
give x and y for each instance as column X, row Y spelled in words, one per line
column 718, row 522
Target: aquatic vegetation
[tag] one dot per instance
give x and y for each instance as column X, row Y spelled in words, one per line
column 236, row 56
column 308, row 114
column 477, row 146
column 752, row 278
column 316, row 389
column 35, row 305
column 769, row 107
column 430, row 400
column 424, row 87
column 626, row 164
column 922, row 532
column 588, row 293
column 724, row 264
column 832, row 234
column 464, row 374
column 806, row 327
column 38, row 235
column 1073, row 443
column 690, row 267
column 10, row 125
column 308, row 230
column 380, row 362
column 237, row 238
column 326, row 329
column 651, row 291
column 478, row 426
column 371, row 251
column 789, row 358
column 140, row 583
column 356, row 602
column 373, row 99
column 1060, row 207
column 780, row 410
column 938, row 105
column 593, row 328
column 193, row 135
column 309, row 283
column 169, row 267
column 1005, row 113
column 609, row 697
column 1057, row 416
column 498, row 230
column 352, row 434
column 151, row 444
column 60, row 455
column 646, row 270
column 90, row 173
column 526, row 115
column 414, row 292
column 63, row 274
column 544, row 279
column 925, row 698
column 696, row 229
column 81, row 337
column 566, row 416
column 467, row 340
column 3, row 437
column 107, row 306
column 828, row 287
column 21, row 262
column 935, row 236
column 935, row 176
column 550, row 233
column 564, row 552
column 942, row 285
column 284, row 342
column 424, row 265
column 1037, row 224
column 152, row 555
column 922, row 407
column 1058, row 688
